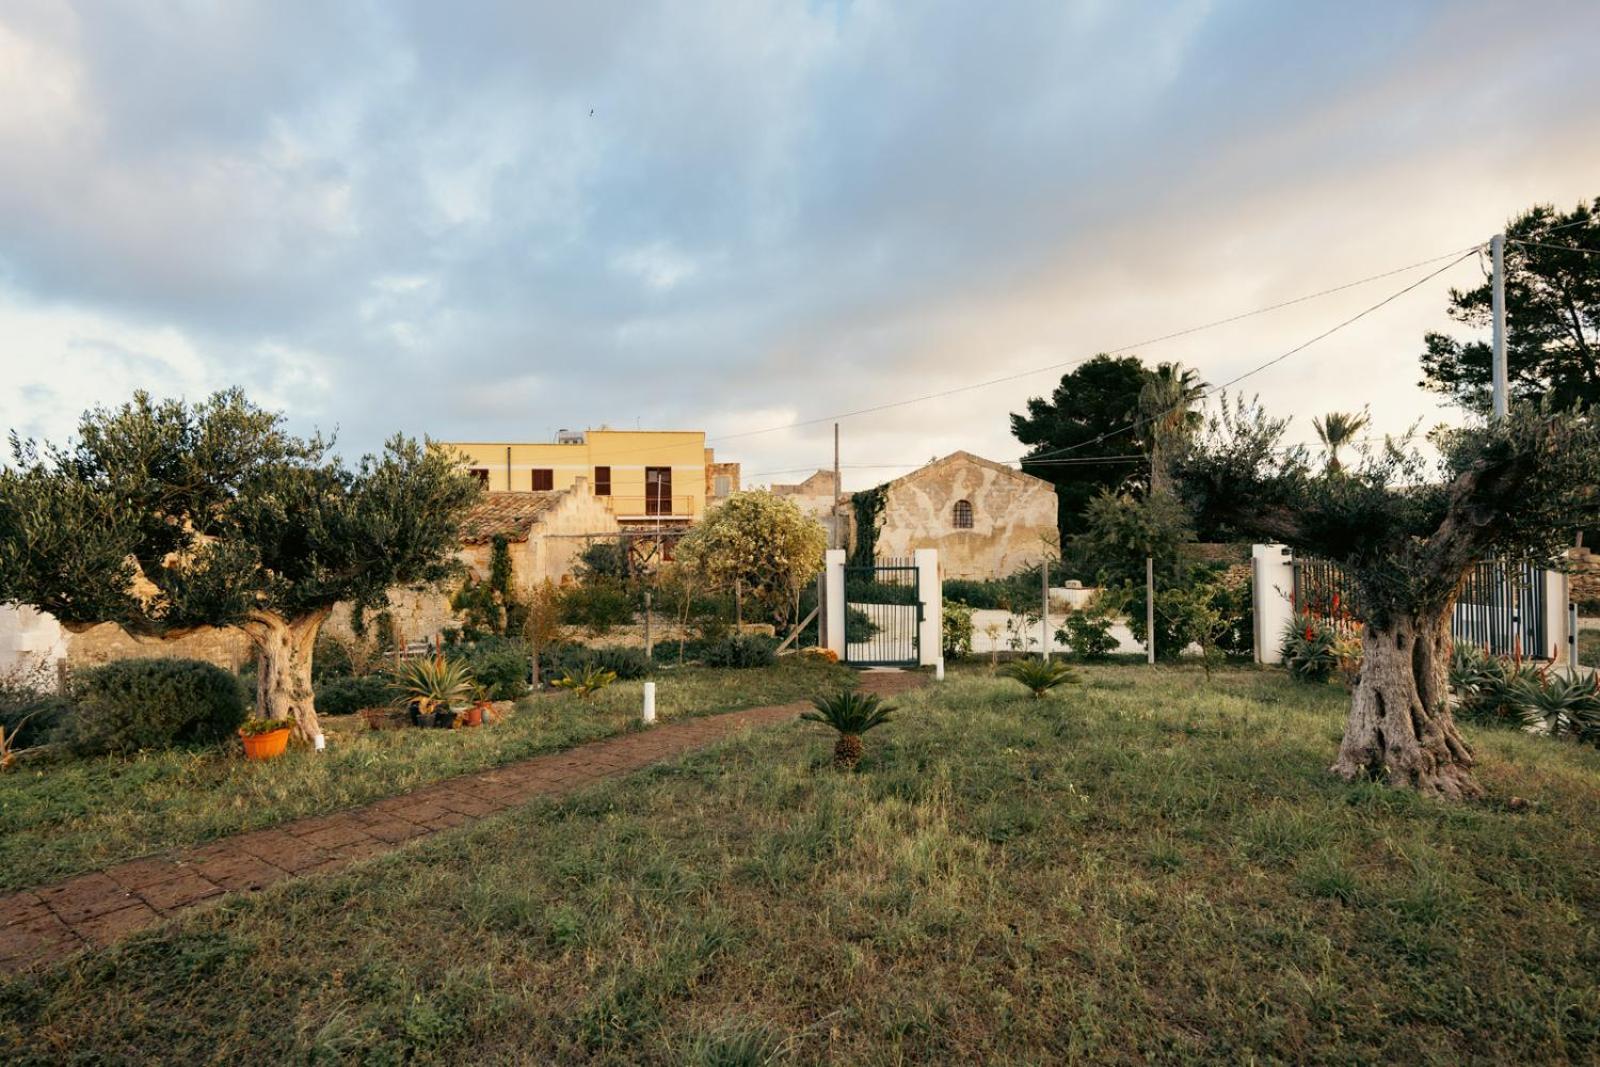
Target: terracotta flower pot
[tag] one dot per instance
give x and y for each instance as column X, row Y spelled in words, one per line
column 265, row 746
column 473, row 716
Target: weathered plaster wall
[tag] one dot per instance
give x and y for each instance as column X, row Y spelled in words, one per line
column 226, row 647
column 1013, row 517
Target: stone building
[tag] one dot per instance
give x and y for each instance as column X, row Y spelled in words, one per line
column 986, row 519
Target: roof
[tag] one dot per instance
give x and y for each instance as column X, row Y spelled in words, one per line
column 965, row 457
column 508, row 515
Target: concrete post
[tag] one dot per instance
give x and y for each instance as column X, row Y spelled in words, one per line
column 833, row 600
column 649, row 712
column 930, row 591
column 1272, row 587
column 1559, row 636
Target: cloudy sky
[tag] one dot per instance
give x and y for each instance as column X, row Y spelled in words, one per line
column 488, row 221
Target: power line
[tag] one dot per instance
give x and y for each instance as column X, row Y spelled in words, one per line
column 1553, row 248
column 1213, row 390
column 1105, row 351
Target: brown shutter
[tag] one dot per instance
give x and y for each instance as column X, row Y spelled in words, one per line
column 543, row 480
column 602, row 481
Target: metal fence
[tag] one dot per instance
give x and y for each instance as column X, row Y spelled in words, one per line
column 1501, row 609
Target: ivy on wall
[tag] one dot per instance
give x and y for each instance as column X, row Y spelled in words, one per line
column 868, row 505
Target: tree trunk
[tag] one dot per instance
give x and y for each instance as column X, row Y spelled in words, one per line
column 1400, row 729
column 283, row 680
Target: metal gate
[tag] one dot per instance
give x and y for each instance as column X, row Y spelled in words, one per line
column 882, row 613
column 1501, row 608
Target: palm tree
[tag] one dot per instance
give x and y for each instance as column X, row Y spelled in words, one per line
column 1337, row 429
column 852, row 714
column 1166, row 408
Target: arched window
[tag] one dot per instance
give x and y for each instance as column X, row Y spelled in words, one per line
column 961, row 519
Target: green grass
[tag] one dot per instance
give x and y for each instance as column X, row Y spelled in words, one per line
column 73, row 815
column 1589, row 648
column 1144, row 868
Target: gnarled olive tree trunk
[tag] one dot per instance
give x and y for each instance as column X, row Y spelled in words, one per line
column 1400, row 729
column 283, row 664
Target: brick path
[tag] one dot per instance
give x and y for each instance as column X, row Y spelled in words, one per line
column 42, row 925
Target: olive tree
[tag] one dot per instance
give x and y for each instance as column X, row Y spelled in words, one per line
column 167, row 518
column 1408, row 532
column 759, row 543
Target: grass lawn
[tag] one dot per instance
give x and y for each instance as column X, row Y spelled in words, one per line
column 1147, row 867
column 61, row 818
column 1589, row 648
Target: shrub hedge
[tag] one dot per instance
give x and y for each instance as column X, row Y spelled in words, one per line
column 138, row 704
column 346, row 696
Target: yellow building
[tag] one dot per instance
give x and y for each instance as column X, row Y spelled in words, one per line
column 651, row 476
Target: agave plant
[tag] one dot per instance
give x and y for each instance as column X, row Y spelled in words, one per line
column 1564, row 704
column 1492, row 690
column 852, row 714
column 8, row 742
column 1039, row 676
column 586, row 680
column 432, row 684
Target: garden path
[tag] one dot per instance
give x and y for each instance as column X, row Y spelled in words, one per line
column 41, row 925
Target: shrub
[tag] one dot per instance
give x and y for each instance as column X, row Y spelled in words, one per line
column 742, row 650
column 30, row 712
column 501, row 668
column 1562, row 702
column 626, row 663
column 1489, row 689
column 1039, row 676
column 597, row 606
column 984, row 595
column 585, row 681
column 138, row 704
column 1088, row 635
column 859, row 627
column 346, row 696
column 1313, row 649
column 956, row 630
column 851, row 714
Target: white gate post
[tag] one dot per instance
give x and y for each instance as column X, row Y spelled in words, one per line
column 930, row 592
column 1272, row 588
column 1557, row 627
column 833, row 601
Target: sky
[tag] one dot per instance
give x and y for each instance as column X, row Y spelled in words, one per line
column 488, row 221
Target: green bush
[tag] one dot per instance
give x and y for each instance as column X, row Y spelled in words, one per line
column 31, row 713
column 984, row 595
column 1088, row 635
column 1312, row 649
column 957, row 630
column 626, row 663
column 138, row 704
column 502, row 673
column 346, row 696
column 742, row 650
column 597, row 606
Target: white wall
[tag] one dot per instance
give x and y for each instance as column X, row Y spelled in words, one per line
column 1272, row 572
column 29, row 636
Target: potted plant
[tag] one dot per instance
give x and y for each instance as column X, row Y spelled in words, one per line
column 265, row 738
column 432, row 687
column 474, row 715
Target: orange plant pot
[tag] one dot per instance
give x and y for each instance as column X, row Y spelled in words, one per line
column 265, row 746
column 473, row 716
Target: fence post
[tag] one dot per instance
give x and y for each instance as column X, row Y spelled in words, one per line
column 930, row 639
column 833, row 600
column 1272, row 589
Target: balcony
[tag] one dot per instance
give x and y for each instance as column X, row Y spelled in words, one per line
column 652, row 506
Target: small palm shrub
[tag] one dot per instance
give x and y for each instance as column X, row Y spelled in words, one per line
column 135, row 704
column 1039, row 676
column 852, row 714
column 433, row 684
column 585, row 681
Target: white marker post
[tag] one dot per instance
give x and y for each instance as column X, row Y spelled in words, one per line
column 938, row 670
column 649, row 703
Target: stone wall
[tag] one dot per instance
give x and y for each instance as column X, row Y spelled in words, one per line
column 1585, row 577
column 1013, row 517
column 224, row 646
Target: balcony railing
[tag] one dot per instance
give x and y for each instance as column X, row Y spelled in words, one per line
column 651, row 506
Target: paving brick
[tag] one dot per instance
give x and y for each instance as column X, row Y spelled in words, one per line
column 86, row 896
column 21, row 907
column 241, row 872
column 282, row 850
column 102, row 930
column 187, row 889
column 139, row 873
column 393, row 830
column 345, row 832
column 28, row 940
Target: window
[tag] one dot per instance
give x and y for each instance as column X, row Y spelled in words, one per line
column 544, row 479
column 602, row 481
column 723, row 485
column 482, row 474
column 658, row 490
column 961, row 519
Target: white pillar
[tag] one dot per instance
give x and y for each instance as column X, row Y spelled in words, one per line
column 1272, row 582
column 833, row 600
column 649, row 703
column 930, row 633
column 1557, row 636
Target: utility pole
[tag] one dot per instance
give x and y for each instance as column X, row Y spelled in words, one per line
column 1150, row 610
column 1497, row 251
column 838, row 489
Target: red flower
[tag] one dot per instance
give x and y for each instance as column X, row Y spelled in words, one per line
column 1310, row 634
